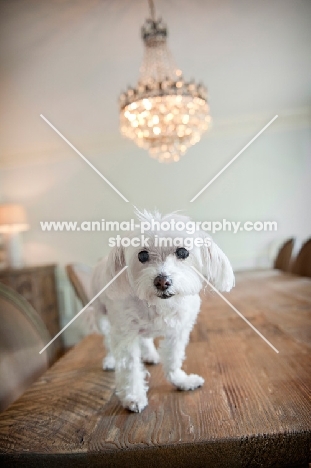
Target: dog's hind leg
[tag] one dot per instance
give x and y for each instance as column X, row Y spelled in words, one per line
column 109, row 360
column 149, row 352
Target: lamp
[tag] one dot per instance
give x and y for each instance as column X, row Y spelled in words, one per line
column 13, row 220
column 163, row 113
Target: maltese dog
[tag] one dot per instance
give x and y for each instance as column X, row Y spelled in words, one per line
column 156, row 296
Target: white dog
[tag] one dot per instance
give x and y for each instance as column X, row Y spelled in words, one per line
column 157, row 295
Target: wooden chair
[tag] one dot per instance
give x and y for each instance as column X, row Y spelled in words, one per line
column 284, row 258
column 22, row 335
column 302, row 264
column 80, row 278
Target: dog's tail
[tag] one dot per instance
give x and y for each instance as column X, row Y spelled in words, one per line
column 92, row 321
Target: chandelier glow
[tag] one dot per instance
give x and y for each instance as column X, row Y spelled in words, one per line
column 163, row 113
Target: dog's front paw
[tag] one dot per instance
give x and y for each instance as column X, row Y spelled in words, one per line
column 109, row 363
column 191, row 382
column 184, row 381
column 135, row 404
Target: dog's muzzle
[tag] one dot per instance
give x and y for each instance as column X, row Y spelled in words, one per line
column 162, row 283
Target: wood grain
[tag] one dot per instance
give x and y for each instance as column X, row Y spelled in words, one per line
column 254, row 409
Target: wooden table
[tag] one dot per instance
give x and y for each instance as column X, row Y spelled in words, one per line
column 253, row 411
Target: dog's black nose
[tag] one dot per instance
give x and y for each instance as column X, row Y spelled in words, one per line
column 162, row 282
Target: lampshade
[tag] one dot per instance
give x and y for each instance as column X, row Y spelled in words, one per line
column 13, row 218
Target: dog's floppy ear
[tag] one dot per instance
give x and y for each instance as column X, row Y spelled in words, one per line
column 114, row 264
column 115, row 261
column 216, row 267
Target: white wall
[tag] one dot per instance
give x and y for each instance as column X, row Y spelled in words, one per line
column 269, row 182
column 69, row 61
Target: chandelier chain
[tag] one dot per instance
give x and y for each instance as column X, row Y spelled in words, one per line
column 152, row 9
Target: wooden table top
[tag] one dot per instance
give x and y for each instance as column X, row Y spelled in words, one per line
column 253, row 410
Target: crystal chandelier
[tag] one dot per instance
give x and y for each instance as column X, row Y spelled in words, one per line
column 164, row 113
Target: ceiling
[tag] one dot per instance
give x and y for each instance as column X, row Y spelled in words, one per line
column 69, row 60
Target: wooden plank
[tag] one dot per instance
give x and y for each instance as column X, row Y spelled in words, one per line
column 254, row 409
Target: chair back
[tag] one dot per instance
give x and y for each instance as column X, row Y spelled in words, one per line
column 302, row 263
column 22, row 335
column 80, row 278
column 284, row 257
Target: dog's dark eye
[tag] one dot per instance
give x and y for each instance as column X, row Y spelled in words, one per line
column 143, row 256
column 182, row 253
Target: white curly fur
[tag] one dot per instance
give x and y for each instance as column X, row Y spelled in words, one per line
column 132, row 311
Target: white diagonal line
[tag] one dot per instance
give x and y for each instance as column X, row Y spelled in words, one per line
column 83, row 157
column 82, row 310
column 233, row 159
column 236, row 310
